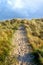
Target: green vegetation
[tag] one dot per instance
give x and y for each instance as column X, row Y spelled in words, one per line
column 7, row 28
column 34, row 29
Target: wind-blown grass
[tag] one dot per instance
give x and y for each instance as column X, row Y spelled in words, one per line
column 7, row 28
column 34, row 30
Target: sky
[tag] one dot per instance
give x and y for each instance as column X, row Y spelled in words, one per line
column 21, row 9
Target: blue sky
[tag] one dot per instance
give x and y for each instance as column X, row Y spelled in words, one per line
column 21, row 9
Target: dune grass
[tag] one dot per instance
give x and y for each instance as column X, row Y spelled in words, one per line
column 7, row 28
column 34, row 29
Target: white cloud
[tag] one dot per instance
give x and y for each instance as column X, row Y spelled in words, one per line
column 9, row 2
column 23, row 7
column 31, row 5
column 17, row 4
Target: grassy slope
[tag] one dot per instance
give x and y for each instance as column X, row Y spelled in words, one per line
column 7, row 28
column 34, row 30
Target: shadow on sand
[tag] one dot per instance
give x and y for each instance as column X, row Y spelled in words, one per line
column 27, row 58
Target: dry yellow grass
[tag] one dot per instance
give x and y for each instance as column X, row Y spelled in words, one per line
column 7, row 28
column 34, row 30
